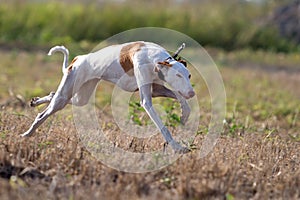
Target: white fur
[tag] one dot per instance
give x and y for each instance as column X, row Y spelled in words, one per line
column 81, row 77
column 65, row 51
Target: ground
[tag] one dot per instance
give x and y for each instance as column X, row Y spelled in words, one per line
column 256, row 157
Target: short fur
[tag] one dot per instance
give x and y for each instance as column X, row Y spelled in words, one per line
column 142, row 66
column 126, row 56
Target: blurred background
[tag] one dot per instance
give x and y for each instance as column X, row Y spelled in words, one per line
column 271, row 25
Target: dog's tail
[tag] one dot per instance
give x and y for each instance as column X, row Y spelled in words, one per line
column 65, row 51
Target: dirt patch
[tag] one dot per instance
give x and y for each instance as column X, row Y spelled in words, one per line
column 53, row 164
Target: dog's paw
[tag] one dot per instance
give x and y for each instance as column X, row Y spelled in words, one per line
column 178, row 148
column 183, row 150
column 33, row 101
column 26, row 134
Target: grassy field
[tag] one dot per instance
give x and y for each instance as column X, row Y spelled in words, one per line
column 227, row 24
column 256, row 157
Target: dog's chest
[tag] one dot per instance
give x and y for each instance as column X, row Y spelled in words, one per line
column 127, row 83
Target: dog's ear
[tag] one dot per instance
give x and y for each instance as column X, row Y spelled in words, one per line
column 183, row 62
column 165, row 63
column 161, row 64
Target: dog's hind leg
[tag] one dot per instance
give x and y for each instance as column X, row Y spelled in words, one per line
column 57, row 103
column 41, row 100
column 82, row 96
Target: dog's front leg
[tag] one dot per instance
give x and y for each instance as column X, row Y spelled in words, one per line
column 146, row 102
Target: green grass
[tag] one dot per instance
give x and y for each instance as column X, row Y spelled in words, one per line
column 228, row 25
column 260, row 99
column 259, row 58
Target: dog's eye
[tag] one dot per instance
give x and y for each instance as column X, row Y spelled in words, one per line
column 178, row 75
column 190, row 76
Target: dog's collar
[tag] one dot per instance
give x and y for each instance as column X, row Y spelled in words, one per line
column 169, row 58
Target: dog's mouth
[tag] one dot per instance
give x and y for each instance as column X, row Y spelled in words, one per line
column 190, row 94
column 186, row 97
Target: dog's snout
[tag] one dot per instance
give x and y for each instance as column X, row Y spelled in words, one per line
column 191, row 93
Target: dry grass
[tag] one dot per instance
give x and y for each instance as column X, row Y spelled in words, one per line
column 256, row 157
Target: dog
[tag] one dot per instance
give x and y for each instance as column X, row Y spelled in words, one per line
column 135, row 66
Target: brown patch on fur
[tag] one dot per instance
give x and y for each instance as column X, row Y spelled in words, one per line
column 74, row 60
column 165, row 63
column 70, row 67
column 126, row 55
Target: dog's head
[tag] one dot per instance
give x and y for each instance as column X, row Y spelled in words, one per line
column 176, row 74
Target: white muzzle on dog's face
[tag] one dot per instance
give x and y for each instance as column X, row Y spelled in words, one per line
column 189, row 95
column 178, row 77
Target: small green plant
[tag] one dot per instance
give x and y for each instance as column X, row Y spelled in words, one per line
column 233, row 127
column 229, row 196
column 167, row 181
column 138, row 115
column 202, row 130
column 43, row 145
column 3, row 135
column 295, row 137
column 172, row 118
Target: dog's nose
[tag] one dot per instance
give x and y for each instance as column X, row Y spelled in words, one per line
column 191, row 93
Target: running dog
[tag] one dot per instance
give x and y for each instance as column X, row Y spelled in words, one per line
column 135, row 66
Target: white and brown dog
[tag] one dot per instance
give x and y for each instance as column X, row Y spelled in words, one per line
column 135, row 66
